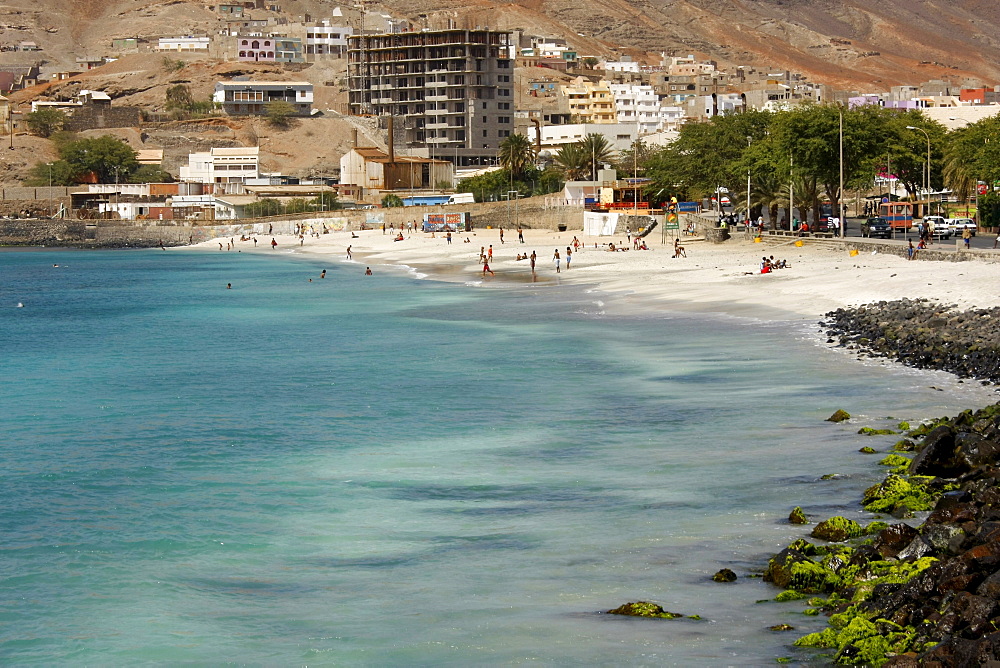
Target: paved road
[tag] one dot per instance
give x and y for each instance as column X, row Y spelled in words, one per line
column 978, row 241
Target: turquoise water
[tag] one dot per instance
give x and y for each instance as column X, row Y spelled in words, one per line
column 387, row 471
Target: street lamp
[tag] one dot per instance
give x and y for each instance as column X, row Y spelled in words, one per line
column 840, row 198
column 749, row 140
column 49, row 165
column 927, row 174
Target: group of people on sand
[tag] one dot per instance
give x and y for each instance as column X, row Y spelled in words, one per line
column 769, row 264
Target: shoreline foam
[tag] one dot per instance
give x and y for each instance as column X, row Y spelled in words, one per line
column 712, row 278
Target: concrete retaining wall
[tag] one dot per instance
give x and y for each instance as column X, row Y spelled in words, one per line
column 533, row 213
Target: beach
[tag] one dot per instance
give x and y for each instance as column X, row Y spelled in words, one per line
column 714, row 278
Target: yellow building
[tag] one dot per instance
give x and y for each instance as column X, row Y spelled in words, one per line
column 589, row 102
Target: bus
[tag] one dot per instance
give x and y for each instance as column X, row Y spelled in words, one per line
column 899, row 215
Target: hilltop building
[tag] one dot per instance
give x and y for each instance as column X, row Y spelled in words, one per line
column 589, row 102
column 186, row 44
column 251, row 98
column 269, row 50
column 453, row 89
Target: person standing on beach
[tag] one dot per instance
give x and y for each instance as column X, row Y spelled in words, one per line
column 533, row 256
column 910, row 251
column 348, row 252
column 520, row 235
column 274, row 244
column 489, row 254
column 255, row 242
column 482, row 253
column 270, row 229
column 569, row 257
column 486, row 268
column 966, row 237
column 448, row 237
column 556, row 259
column 501, row 235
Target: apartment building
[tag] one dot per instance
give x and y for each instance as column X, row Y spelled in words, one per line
column 250, row 98
column 589, row 102
column 222, row 165
column 637, row 104
column 324, row 39
column 453, row 90
column 269, row 50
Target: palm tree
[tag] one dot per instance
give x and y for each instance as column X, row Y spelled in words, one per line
column 598, row 150
column 572, row 161
column 516, row 154
column 958, row 177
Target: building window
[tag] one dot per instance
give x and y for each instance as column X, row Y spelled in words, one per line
column 503, row 119
column 503, row 133
column 504, row 92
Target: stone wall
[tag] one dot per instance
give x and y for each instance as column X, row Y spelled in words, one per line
column 95, row 117
column 534, row 213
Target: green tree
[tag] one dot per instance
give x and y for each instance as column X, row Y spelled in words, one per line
column 279, row 113
column 391, row 201
column 572, row 162
column 108, row 158
column 150, row 174
column 179, row 97
column 45, row 122
column 597, row 149
column 58, row 173
column 516, row 154
column 264, row 207
column 326, row 201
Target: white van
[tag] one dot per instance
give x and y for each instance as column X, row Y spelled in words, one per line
column 462, row 198
column 959, row 225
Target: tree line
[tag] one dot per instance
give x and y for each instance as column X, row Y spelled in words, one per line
column 798, row 147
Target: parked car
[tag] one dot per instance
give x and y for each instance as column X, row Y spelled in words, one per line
column 876, row 227
column 958, row 225
column 939, row 227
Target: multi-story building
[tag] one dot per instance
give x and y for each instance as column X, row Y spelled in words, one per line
column 589, row 102
column 452, row 89
column 269, row 49
column 251, row 98
column 637, row 104
column 324, row 39
column 222, row 165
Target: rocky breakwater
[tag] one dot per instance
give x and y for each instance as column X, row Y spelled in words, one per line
column 922, row 334
column 901, row 595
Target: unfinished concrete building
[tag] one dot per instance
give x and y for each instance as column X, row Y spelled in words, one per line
column 452, row 89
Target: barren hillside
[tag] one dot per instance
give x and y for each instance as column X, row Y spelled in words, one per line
column 864, row 45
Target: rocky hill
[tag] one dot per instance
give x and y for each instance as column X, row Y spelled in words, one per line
column 864, row 45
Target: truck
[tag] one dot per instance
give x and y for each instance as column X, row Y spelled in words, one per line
column 462, row 198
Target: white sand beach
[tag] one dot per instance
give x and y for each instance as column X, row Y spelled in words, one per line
column 713, row 277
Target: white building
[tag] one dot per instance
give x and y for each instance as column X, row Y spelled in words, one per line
column 222, row 165
column 619, row 136
column 324, row 39
column 184, row 44
column 624, row 65
column 638, row 105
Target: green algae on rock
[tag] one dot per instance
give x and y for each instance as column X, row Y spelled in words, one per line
column 644, row 609
column 839, row 416
column 872, row 431
column 724, row 575
column 798, row 516
column 867, row 450
column 897, row 492
column 837, row 529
